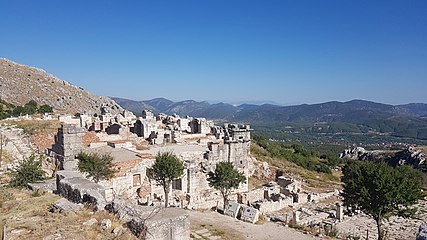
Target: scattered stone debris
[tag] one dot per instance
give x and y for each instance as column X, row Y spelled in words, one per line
column 90, row 222
column 56, row 236
column 63, row 205
column 118, row 230
column 152, row 222
column 105, row 224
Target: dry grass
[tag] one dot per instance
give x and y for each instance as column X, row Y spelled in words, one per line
column 142, row 147
column 28, row 217
column 32, row 127
column 6, row 157
column 225, row 235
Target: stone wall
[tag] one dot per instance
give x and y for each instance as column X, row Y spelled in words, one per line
column 152, row 223
column 124, row 184
column 74, row 187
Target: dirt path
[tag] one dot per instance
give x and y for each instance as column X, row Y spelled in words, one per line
column 229, row 228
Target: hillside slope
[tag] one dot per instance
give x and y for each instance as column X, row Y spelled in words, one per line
column 20, row 84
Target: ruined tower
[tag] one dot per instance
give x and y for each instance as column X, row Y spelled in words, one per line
column 68, row 143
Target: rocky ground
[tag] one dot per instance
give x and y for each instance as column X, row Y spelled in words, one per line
column 30, row 215
column 359, row 225
column 15, row 142
column 396, row 228
column 20, row 84
column 212, row 225
column 15, row 147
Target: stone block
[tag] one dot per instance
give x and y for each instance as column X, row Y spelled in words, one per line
column 90, row 222
column 232, row 209
column 63, row 205
column 106, row 223
column 250, row 214
column 74, row 187
column 160, row 223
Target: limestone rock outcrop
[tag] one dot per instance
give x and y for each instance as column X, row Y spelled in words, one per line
column 359, row 153
column 409, row 156
column 21, row 83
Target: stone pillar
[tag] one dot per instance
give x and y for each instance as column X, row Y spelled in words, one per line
column 295, row 217
column 340, row 213
column 68, row 144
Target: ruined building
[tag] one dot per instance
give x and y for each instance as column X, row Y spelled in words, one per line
column 197, row 142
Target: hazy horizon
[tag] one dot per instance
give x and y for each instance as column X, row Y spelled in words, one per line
column 284, row 52
column 260, row 102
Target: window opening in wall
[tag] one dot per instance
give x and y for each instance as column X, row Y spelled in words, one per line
column 177, row 184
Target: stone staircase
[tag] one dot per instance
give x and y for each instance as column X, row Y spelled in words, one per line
column 16, row 144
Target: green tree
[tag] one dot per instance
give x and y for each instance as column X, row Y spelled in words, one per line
column 380, row 190
column 97, row 166
column 30, row 107
column 45, row 109
column 18, row 111
column 29, row 171
column 166, row 169
column 225, row 179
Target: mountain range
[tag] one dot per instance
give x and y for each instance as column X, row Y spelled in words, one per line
column 356, row 116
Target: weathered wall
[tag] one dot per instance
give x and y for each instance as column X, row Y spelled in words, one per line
column 123, row 185
column 74, row 187
column 151, row 222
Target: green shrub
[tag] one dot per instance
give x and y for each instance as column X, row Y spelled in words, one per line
column 45, row 109
column 29, row 171
column 331, row 232
column 97, row 166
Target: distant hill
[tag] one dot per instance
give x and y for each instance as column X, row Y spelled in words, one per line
column 356, row 116
column 415, row 109
column 20, row 84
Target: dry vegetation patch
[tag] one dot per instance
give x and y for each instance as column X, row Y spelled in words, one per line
column 28, row 216
column 316, row 180
column 31, row 127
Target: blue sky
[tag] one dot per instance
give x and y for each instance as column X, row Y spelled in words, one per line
column 288, row 52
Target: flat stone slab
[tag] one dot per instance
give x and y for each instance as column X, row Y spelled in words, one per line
column 63, row 204
column 202, row 231
column 48, row 186
column 214, row 238
column 195, row 236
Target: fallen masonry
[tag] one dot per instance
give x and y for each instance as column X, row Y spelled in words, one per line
column 152, row 223
column 63, row 205
column 242, row 212
column 76, row 188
